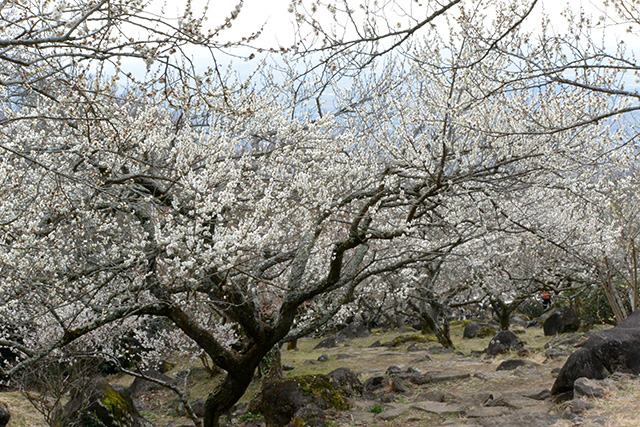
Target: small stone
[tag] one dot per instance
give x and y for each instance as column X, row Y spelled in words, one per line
column 387, row 398
column 568, row 414
column 587, row 387
column 520, row 419
column 393, row 370
column 423, row 359
column 480, row 398
column 440, row 350
column 495, row 411
column 512, row 364
column 513, row 400
column 539, row 394
column 398, row 386
column 433, row 396
column 502, row 342
column 417, row 379
column 525, row 372
column 438, row 407
column 374, row 383
column 578, row 406
column 415, row 347
column 553, row 354
column 488, row 376
column 347, row 381
column 323, row 358
column 392, row 413
column 330, row 342
column 438, row 377
column 597, row 421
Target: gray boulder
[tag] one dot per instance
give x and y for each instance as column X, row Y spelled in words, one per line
column 347, row 381
column 353, row 330
column 300, row 397
column 503, row 342
column 606, row 352
column 565, row 319
column 330, row 342
column 478, row 330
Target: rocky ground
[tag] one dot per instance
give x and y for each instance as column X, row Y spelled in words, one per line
column 418, row 383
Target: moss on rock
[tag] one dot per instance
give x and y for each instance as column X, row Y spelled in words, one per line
column 322, row 387
column 403, row 339
column 118, row 407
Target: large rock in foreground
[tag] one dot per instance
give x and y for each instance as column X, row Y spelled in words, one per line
column 606, row 352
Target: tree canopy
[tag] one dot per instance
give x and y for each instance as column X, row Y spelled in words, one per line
column 205, row 213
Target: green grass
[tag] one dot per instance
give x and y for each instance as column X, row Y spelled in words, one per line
column 250, row 416
column 377, row 408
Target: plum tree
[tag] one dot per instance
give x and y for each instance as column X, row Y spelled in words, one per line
column 227, row 211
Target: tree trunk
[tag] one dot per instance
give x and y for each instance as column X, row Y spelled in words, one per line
column 226, row 395
column 442, row 333
column 504, row 318
column 444, row 336
column 502, row 312
column 236, row 383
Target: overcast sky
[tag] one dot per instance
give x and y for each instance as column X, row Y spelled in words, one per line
column 279, row 29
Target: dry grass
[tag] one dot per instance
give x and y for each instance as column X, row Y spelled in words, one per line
column 621, row 406
column 22, row 413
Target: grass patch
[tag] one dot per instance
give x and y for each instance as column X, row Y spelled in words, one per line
column 377, row 408
column 250, row 416
column 22, row 413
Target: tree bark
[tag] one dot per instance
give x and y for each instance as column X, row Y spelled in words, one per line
column 226, row 395
column 442, row 333
column 502, row 312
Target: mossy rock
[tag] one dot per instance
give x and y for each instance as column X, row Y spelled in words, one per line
column 478, row 330
column 322, row 387
column 403, row 339
column 283, row 399
column 464, row 322
column 100, row 405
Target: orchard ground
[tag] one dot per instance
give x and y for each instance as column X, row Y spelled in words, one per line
column 620, row 406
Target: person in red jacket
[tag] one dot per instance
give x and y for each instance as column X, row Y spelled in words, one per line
column 546, row 300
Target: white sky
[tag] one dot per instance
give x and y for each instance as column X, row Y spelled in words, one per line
column 279, row 26
column 279, row 29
